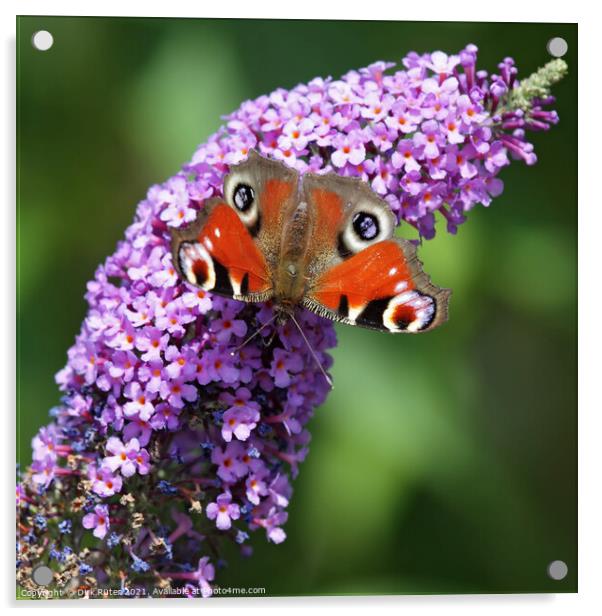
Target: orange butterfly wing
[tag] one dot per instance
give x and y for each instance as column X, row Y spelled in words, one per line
column 233, row 247
column 365, row 276
column 219, row 254
column 381, row 287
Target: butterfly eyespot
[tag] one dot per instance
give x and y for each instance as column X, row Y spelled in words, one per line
column 370, row 222
column 243, row 197
column 365, row 226
column 197, row 265
column 240, row 194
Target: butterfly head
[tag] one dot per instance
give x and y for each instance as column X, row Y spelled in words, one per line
column 284, row 309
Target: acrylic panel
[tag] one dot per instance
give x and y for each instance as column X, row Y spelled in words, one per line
column 161, row 453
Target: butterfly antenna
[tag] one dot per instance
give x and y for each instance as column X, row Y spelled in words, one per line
column 255, row 333
column 313, row 353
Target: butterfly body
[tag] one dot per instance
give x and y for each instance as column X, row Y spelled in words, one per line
column 291, row 277
column 322, row 242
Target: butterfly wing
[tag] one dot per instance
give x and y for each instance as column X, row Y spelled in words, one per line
column 232, row 248
column 359, row 273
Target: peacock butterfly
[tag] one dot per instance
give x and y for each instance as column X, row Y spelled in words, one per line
column 324, row 242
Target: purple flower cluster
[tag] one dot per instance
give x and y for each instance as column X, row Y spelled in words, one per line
column 431, row 138
column 169, row 431
column 160, row 399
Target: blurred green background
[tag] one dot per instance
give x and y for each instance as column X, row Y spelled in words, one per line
column 440, row 463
